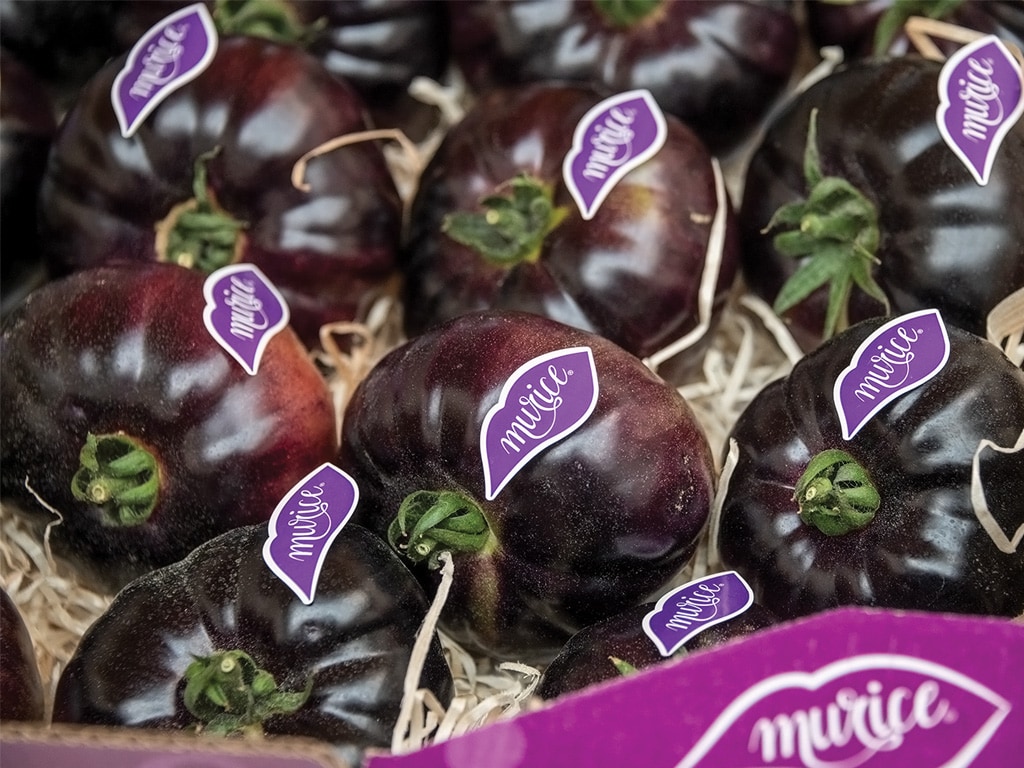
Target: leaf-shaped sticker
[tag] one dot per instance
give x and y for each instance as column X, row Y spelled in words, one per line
column 688, row 610
column 901, row 355
column 613, row 138
column 877, row 710
column 544, row 400
column 243, row 312
column 981, row 96
column 172, row 52
column 305, row 523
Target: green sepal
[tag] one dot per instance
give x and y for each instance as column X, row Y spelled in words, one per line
column 622, row 666
column 203, row 237
column 272, row 20
column 892, row 21
column 510, row 229
column 229, row 694
column 430, row 522
column 626, row 13
column 835, row 232
column 118, row 474
column 835, row 494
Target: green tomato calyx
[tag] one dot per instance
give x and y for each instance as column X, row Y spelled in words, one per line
column 835, row 234
column 119, row 475
column 835, row 494
column 431, row 522
column 510, row 229
column 229, row 694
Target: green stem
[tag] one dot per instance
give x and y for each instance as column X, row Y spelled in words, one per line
column 626, row 13
column 511, row 228
column 836, row 494
column 622, row 666
column 118, row 474
column 229, row 694
column 203, row 237
column 834, row 233
column 268, row 19
column 431, row 522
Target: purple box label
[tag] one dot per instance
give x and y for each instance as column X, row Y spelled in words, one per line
column 613, row 138
column 243, row 312
column 981, row 96
column 545, row 399
column 305, row 524
column 901, row 355
column 171, row 53
column 876, row 710
column 686, row 611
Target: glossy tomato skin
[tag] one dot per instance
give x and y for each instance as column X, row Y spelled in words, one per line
column 123, row 349
column 21, row 687
column 62, row 41
column 717, row 66
column 852, row 26
column 354, row 640
column 380, row 47
column 377, row 46
column 591, row 525
column 585, row 659
column 330, row 250
column 27, row 124
column 632, row 273
column 945, row 241
column 925, row 549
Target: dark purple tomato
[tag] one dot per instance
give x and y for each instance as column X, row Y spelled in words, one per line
column 121, row 412
column 221, row 622
column 377, row 46
column 890, row 523
column 27, row 124
column 717, row 66
column 21, row 687
column 916, row 224
column 618, row 646
column 589, row 525
column 207, row 180
column 636, row 272
column 63, row 42
column 866, row 27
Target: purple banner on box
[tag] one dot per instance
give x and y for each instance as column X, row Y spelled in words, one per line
column 849, row 688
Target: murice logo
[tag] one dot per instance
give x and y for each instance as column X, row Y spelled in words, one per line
column 981, row 96
column 171, row 53
column 304, row 525
column 688, row 610
column 544, row 400
column 901, row 355
column 243, row 312
column 613, row 138
column 877, row 710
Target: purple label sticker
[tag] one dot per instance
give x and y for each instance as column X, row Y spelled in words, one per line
column 981, row 96
column 542, row 402
column 243, row 312
column 901, row 355
column 170, row 54
column 686, row 611
column 612, row 139
column 875, row 710
column 305, row 523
